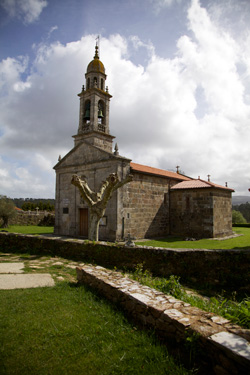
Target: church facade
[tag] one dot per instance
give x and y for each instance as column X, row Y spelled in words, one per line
column 155, row 203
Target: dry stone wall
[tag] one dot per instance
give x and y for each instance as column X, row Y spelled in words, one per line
column 27, row 218
column 223, row 268
column 211, row 342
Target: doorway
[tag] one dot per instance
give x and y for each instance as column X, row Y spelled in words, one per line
column 84, row 223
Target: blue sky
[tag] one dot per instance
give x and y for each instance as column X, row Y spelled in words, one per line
column 178, row 70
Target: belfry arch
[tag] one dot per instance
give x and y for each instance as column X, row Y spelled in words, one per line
column 101, row 112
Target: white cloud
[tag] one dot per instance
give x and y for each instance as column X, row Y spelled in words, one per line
column 52, row 29
column 161, row 4
column 21, row 179
column 153, row 112
column 10, row 72
column 137, row 43
column 27, row 10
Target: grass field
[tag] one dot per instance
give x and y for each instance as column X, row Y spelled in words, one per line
column 29, row 229
column 242, row 241
column 67, row 329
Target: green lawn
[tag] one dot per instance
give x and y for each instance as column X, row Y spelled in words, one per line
column 69, row 330
column 242, row 241
column 29, row 229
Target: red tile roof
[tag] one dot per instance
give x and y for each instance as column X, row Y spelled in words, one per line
column 18, row 209
column 198, row 184
column 158, row 172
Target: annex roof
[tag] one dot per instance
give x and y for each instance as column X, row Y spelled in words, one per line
column 198, row 184
column 157, row 172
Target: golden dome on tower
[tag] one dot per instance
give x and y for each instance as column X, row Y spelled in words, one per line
column 96, row 65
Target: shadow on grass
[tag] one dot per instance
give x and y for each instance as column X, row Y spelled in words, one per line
column 169, row 239
column 31, row 257
column 241, row 248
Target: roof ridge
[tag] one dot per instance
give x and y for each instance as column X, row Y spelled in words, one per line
column 215, row 185
column 203, row 184
column 206, row 182
column 161, row 172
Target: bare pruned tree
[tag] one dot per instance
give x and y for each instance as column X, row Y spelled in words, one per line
column 97, row 202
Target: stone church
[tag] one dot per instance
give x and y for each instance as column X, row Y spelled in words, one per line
column 156, row 203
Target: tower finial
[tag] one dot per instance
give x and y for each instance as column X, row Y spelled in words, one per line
column 96, row 48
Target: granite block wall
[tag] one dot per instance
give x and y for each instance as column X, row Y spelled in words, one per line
column 201, row 213
column 146, row 204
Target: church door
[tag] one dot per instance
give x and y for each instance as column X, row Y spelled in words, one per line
column 83, row 222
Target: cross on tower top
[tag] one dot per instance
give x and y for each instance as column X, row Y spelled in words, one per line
column 97, row 48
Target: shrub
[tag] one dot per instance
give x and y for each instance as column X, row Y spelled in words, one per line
column 7, row 210
column 47, row 221
column 238, row 218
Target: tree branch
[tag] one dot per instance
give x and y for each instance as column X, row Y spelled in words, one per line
column 87, row 194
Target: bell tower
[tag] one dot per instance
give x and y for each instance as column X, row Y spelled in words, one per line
column 94, row 107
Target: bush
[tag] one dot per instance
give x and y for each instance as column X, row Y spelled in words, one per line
column 238, row 218
column 47, row 221
column 7, row 210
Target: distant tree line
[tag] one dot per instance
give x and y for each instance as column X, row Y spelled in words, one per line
column 42, row 206
column 31, row 204
column 8, row 210
column 244, row 209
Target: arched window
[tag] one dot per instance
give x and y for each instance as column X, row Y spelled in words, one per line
column 86, row 113
column 102, row 84
column 88, row 83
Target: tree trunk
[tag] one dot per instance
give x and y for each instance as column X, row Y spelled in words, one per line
column 5, row 222
column 94, row 226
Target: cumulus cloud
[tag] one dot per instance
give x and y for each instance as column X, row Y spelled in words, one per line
column 26, row 10
column 192, row 110
column 11, row 70
column 24, row 181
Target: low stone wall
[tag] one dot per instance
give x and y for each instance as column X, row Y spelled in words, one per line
column 229, row 269
column 28, row 218
column 210, row 342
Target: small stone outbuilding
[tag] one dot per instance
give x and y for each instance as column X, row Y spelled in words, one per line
column 156, row 203
column 201, row 209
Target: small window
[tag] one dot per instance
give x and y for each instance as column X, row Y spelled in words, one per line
column 103, row 221
column 65, row 210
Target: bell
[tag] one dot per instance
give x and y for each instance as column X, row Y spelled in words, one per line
column 100, row 114
column 87, row 114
